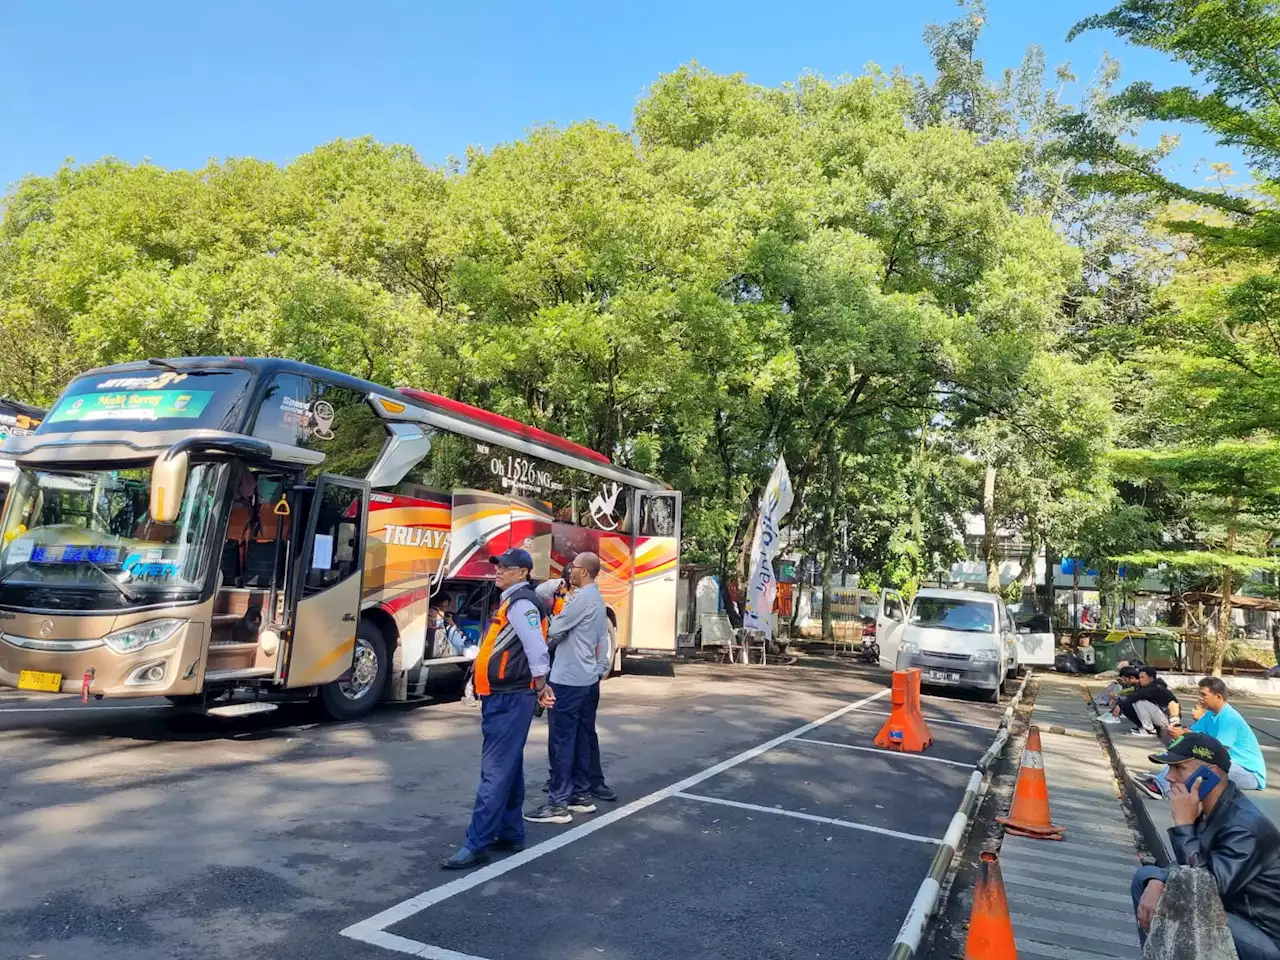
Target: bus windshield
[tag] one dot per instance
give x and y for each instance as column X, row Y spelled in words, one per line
column 152, row 400
column 86, row 536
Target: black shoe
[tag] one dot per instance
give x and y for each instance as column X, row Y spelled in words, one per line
column 550, row 813
column 505, row 846
column 581, row 803
column 604, row 792
column 465, row 859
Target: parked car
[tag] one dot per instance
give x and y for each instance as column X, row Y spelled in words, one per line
column 958, row 638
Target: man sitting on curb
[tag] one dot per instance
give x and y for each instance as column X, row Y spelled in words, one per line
column 1216, row 718
column 1150, row 708
column 1125, row 683
column 1219, row 830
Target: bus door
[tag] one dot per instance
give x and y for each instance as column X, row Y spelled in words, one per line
column 655, row 591
column 327, row 584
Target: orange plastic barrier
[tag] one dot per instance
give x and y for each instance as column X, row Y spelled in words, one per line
column 905, row 729
column 1029, row 816
column 990, row 928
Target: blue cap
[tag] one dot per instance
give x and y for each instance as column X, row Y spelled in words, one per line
column 515, row 557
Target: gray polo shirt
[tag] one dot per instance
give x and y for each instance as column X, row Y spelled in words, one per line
column 579, row 635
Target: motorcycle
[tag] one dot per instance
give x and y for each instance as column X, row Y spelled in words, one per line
column 870, row 651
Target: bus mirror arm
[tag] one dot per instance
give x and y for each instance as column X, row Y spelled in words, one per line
column 169, row 475
column 168, row 482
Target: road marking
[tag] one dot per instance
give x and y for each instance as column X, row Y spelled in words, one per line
column 372, row 929
column 952, row 723
column 887, row 753
column 778, row 811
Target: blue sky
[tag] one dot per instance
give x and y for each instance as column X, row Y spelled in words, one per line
column 182, row 83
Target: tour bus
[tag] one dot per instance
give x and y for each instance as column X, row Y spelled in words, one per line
column 231, row 532
column 15, row 419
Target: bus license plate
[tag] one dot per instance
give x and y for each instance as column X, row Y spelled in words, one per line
column 38, row 680
column 943, row 677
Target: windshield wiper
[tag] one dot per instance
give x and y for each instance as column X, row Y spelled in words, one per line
column 125, row 592
column 16, row 568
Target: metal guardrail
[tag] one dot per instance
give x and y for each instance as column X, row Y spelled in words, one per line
column 926, row 900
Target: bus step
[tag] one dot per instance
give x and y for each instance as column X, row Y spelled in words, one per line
column 236, row 710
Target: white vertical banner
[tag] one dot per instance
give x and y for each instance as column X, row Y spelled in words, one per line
column 761, row 586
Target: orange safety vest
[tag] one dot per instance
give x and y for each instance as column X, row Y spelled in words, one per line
column 501, row 665
column 558, row 598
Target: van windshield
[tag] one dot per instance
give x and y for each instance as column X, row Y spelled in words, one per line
column 946, row 613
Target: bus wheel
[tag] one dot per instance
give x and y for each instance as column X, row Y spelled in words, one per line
column 356, row 692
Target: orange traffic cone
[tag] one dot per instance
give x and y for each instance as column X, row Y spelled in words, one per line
column 990, row 929
column 1029, row 816
column 905, row 729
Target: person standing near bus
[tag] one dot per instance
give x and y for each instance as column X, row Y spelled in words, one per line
column 579, row 635
column 510, row 679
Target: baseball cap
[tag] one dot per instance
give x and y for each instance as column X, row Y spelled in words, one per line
column 1195, row 746
column 515, row 557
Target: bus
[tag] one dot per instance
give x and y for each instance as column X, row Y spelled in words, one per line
column 230, row 532
column 15, row 419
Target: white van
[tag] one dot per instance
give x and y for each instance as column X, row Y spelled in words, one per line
column 958, row 638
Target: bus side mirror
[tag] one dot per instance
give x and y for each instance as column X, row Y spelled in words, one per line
column 168, row 482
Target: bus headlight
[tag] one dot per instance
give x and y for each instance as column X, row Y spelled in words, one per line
column 142, row 635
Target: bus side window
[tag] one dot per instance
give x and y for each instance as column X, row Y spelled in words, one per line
column 335, row 553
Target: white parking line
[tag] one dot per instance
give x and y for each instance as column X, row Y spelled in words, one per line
column 954, row 723
column 373, row 929
column 778, row 811
column 886, row 753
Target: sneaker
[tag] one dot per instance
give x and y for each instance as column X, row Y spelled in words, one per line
column 550, row 813
column 1108, row 718
column 604, row 792
column 1151, row 789
column 1139, row 732
column 581, row 803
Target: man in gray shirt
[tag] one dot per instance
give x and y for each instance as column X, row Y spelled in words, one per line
column 579, row 638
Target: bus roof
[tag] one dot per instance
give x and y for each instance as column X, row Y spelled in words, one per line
column 504, row 423
column 454, row 410
column 16, row 408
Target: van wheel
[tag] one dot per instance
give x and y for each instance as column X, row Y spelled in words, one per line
column 356, row 692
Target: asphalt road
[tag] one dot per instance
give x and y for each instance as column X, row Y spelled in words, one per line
column 740, row 832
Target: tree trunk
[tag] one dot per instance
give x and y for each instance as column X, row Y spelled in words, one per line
column 1028, row 568
column 989, row 530
column 1224, row 608
column 1048, row 588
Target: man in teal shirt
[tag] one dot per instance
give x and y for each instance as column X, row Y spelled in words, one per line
column 1216, row 718
column 1224, row 723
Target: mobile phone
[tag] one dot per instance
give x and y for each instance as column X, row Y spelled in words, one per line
column 1205, row 780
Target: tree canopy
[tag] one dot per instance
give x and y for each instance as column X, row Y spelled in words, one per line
column 962, row 295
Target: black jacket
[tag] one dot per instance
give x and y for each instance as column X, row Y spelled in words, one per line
column 1157, row 692
column 1241, row 848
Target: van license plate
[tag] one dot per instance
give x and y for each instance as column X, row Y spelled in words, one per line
column 38, row 680
column 943, row 677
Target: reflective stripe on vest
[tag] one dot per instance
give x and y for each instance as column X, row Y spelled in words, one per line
column 499, row 640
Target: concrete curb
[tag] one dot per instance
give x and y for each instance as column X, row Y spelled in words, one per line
column 926, row 901
column 1151, row 837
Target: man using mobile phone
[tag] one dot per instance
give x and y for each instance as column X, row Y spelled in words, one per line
column 1217, row 828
